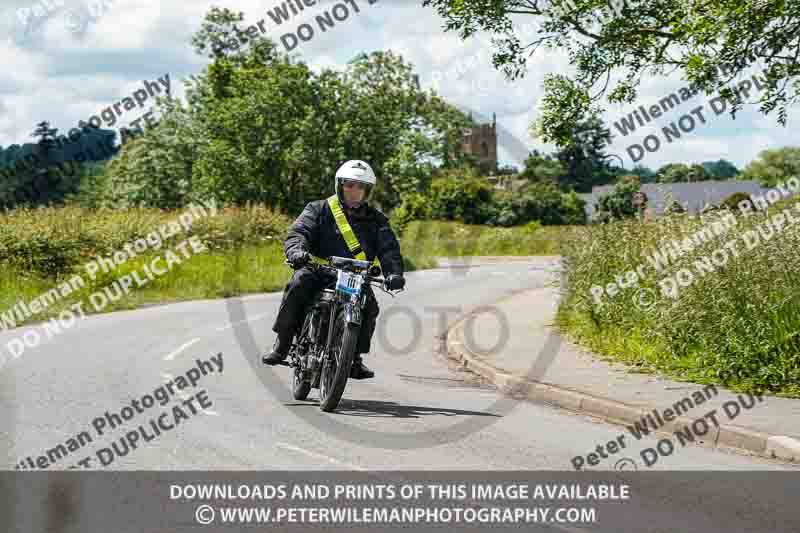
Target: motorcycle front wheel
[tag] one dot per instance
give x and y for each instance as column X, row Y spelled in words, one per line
column 301, row 386
column 336, row 368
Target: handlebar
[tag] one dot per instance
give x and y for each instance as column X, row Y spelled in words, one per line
column 373, row 280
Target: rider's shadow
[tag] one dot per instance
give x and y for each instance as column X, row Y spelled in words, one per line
column 372, row 408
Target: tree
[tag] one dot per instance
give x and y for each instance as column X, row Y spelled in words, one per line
column 619, row 203
column 389, row 112
column 774, row 166
column 697, row 173
column 646, row 174
column 507, row 170
column 680, row 172
column 710, row 42
column 540, row 167
column 722, row 169
column 584, row 159
column 460, row 194
column 259, row 126
column 155, row 169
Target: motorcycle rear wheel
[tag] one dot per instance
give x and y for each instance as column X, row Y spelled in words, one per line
column 336, row 369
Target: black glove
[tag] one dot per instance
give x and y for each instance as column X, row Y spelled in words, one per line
column 298, row 258
column 394, row 282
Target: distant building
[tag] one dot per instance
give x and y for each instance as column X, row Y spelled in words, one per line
column 481, row 142
column 692, row 196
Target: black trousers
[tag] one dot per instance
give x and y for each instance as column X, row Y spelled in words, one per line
column 299, row 291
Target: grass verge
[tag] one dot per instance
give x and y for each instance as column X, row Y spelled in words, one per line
column 244, row 255
column 734, row 319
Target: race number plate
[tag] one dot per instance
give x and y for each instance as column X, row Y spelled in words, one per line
column 348, row 282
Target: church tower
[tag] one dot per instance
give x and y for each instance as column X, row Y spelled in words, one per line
column 481, row 142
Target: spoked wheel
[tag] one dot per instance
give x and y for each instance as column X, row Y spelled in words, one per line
column 336, row 368
column 300, row 386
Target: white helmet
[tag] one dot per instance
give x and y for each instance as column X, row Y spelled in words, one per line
column 356, row 170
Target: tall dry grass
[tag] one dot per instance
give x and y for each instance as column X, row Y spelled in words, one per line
column 737, row 325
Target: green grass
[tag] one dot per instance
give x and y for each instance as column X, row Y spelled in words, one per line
column 245, row 254
column 738, row 326
column 430, row 239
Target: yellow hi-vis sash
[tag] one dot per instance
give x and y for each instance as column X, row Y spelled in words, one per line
column 344, row 228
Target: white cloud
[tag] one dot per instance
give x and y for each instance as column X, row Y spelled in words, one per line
column 64, row 76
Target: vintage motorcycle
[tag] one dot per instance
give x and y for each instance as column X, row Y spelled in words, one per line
column 322, row 353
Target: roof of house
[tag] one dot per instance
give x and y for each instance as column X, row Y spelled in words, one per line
column 692, row 196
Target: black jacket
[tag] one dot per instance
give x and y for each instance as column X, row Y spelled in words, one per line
column 316, row 232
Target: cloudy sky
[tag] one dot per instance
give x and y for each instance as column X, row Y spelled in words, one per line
column 66, row 60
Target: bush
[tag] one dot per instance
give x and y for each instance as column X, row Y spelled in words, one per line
column 732, row 201
column 53, row 241
column 541, row 201
column 466, row 199
column 413, row 206
column 674, row 208
column 618, row 204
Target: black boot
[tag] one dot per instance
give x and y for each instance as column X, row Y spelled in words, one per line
column 279, row 351
column 359, row 370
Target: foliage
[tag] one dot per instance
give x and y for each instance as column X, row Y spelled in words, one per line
column 542, row 202
column 54, row 241
column 584, row 159
column 646, row 174
column 261, row 126
column 720, row 170
column 732, row 201
column 680, row 172
column 436, row 238
column 542, row 167
column 774, row 166
column 629, row 40
column 735, row 325
column 460, row 194
column 507, row 170
column 618, row 204
column 674, row 208
column 414, row 206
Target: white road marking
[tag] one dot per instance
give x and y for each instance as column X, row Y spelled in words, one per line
column 170, row 356
column 256, row 317
column 318, row 456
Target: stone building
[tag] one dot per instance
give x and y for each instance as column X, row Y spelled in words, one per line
column 481, row 142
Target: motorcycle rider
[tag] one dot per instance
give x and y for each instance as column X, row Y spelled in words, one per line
column 323, row 229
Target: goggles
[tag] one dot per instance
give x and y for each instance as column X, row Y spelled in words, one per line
column 355, row 183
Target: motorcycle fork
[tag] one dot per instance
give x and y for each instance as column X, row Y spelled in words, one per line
column 332, row 310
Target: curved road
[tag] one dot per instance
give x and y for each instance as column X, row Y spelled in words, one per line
column 403, row 419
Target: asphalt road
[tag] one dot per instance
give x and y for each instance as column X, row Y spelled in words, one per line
column 416, row 414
